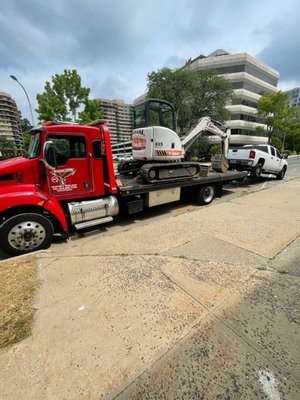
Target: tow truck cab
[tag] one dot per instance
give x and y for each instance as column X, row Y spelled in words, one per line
column 66, row 178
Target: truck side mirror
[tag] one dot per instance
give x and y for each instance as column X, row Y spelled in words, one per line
column 49, row 155
column 285, row 156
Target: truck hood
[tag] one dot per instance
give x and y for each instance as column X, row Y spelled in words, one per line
column 16, row 170
column 14, row 164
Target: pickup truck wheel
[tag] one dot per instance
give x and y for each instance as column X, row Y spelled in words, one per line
column 206, row 194
column 256, row 171
column 24, row 233
column 281, row 174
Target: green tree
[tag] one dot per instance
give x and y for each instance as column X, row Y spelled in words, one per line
column 276, row 142
column 292, row 142
column 7, row 148
column 202, row 146
column 215, row 149
column 292, row 134
column 26, row 126
column 62, row 97
column 283, row 121
column 192, row 94
column 259, row 131
column 274, row 110
column 91, row 111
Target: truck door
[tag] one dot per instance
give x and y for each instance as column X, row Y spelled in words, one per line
column 278, row 160
column 273, row 160
column 73, row 175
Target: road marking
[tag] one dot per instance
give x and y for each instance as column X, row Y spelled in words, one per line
column 269, row 385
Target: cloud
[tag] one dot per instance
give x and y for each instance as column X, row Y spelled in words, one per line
column 174, row 61
column 98, row 32
column 114, row 44
column 114, row 87
column 282, row 53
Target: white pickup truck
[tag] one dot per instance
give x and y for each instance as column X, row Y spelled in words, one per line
column 258, row 159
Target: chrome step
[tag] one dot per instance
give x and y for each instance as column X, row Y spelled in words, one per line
column 93, row 222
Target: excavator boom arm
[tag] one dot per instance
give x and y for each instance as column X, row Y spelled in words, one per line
column 205, row 124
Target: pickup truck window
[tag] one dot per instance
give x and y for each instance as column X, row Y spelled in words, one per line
column 259, row 147
column 263, row 148
column 272, row 151
column 278, row 154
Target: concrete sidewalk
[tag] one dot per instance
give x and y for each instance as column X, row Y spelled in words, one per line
column 204, row 305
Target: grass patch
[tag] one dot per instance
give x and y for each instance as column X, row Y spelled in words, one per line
column 18, row 284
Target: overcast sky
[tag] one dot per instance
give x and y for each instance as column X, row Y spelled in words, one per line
column 114, row 44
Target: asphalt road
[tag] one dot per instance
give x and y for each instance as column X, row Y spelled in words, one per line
column 235, row 189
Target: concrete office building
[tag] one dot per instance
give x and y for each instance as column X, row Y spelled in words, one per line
column 250, row 79
column 119, row 118
column 10, row 120
column 294, row 97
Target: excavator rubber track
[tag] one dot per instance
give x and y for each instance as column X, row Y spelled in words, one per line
column 129, row 167
column 152, row 173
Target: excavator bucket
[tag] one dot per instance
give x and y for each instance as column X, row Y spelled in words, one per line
column 219, row 163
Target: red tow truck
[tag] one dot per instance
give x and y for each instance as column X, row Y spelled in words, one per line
column 67, row 181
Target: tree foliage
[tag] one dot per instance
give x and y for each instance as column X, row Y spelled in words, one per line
column 7, row 148
column 25, row 125
column 62, row 97
column 282, row 121
column 91, row 111
column 273, row 109
column 292, row 140
column 192, row 94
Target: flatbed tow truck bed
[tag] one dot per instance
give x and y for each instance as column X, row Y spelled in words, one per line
column 128, row 186
column 135, row 194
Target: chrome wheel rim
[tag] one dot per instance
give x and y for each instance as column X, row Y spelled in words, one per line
column 208, row 194
column 26, row 235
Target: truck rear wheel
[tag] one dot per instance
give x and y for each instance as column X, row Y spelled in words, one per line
column 206, row 194
column 256, row 171
column 25, row 233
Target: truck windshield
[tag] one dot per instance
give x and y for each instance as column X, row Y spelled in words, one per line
column 34, row 146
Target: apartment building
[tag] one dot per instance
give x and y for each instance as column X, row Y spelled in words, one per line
column 250, row 78
column 294, row 97
column 119, row 118
column 10, row 120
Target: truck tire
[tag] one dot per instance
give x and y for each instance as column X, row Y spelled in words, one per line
column 281, row 174
column 256, row 172
column 25, row 233
column 206, row 194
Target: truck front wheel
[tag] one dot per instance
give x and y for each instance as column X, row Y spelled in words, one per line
column 206, row 194
column 281, row 174
column 24, row 233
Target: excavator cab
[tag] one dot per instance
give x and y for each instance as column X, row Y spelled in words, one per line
column 154, row 112
column 154, row 137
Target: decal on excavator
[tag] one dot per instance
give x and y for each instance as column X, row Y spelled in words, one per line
column 138, row 143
